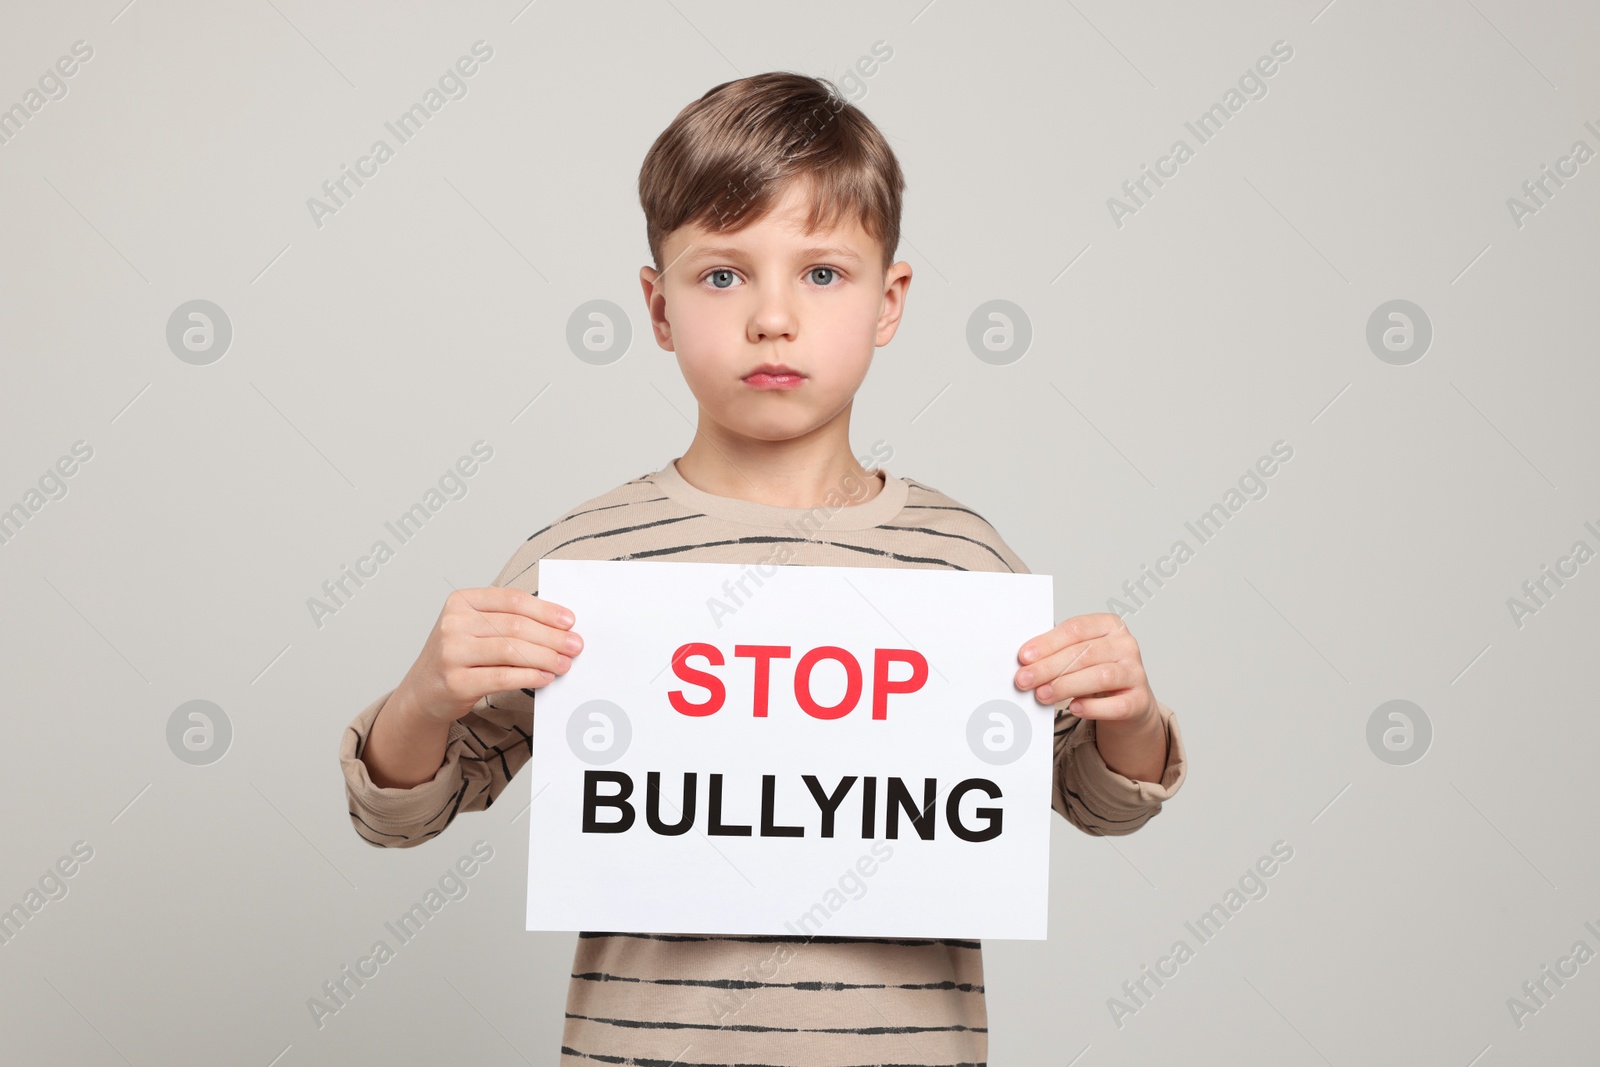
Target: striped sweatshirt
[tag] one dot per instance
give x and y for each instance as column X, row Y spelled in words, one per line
column 682, row 1000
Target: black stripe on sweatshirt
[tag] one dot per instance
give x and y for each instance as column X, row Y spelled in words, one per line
column 590, row 511
column 946, row 986
column 1096, row 814
column 946, row 507
column 963, row 537
column 374, row 829
column 670, row 520
column 860, row 1031
column 603, row 533
column 768, row 539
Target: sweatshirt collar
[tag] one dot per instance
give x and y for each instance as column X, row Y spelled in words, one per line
column 835, row 513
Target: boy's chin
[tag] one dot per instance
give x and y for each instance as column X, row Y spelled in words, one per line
column 765, row 432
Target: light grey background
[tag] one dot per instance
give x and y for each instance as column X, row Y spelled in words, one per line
column 1228, row 313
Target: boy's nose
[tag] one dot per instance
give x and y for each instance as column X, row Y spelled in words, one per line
column 773, row 318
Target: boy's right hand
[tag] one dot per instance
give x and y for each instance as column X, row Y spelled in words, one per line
column 487, row 641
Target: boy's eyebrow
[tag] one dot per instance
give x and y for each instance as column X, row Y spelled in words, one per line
column 815, row 252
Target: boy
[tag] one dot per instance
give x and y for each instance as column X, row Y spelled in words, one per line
column 773, row 213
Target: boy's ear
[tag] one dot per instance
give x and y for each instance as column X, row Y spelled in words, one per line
column 897, row 280
column 656, row 306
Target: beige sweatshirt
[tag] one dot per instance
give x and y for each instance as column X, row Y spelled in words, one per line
column 687, row 1000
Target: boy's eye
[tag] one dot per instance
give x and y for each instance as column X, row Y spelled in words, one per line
column 724, row 278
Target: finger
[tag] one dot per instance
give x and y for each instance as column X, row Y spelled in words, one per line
column 1121, row 705
column 1039, row 646
column 1107, row 622
column 502, row 624
column 1069, row 658
column 1088, row 681
column 510, row 599
column 503, row 679
column 515, row 652
column 1095, row 624
column 1076, row 630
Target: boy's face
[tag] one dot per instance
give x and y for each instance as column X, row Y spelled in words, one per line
column 817, row 303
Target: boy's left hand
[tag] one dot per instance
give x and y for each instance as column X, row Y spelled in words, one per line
column 1094, row 659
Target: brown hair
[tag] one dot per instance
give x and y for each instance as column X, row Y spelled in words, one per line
column 728, row 156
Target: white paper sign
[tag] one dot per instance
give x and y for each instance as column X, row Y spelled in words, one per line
column 834, row 751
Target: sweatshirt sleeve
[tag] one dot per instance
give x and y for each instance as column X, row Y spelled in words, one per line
column 1095, row 798
column 483, row 751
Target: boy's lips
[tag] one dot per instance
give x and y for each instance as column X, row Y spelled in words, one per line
column 774, row 376
column 775, row 368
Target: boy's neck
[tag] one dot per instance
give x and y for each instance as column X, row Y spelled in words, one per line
column 781, row 479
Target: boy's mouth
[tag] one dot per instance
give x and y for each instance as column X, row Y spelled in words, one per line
column 774, row 376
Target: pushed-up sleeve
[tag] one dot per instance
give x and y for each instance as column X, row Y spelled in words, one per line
column 1097, row 799
column 484, row 750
